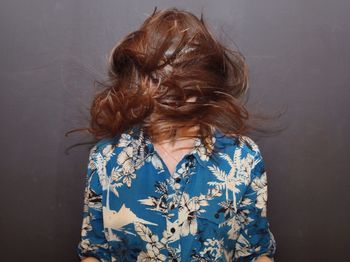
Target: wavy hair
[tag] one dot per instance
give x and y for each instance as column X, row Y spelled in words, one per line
column 171, row 75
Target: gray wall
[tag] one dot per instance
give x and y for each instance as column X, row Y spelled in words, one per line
column 51, row 51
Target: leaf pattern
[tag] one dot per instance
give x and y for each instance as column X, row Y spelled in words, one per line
column 212, row 208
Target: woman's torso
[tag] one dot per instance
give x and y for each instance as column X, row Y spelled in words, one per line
column 149, row 213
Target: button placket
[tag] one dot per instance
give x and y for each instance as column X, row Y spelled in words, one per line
column 180, row 180
column 189, row 170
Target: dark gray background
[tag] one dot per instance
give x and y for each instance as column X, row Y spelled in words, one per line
column 298, row 54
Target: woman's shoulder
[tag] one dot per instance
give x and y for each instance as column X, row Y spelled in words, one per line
column 100, row 145
column 104, row 147
column 242, row 142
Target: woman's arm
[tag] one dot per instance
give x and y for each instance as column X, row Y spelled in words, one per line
column 255, row 241
column 93, row 242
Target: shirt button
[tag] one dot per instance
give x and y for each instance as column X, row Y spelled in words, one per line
column 172, row 230
column 177, row 180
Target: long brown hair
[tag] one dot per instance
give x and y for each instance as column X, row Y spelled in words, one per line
column 155, row 71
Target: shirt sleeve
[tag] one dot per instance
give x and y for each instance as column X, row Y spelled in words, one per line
column 255, row 237
column 92, row 240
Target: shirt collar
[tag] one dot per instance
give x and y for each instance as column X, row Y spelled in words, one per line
column 200, row 152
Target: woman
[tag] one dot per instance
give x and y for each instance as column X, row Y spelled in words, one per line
column 173, row 177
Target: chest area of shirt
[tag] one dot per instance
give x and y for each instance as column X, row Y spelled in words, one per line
column 147, row 189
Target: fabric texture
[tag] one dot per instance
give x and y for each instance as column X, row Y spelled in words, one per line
column 212, row 208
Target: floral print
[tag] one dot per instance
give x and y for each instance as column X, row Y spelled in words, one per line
column 212, row 208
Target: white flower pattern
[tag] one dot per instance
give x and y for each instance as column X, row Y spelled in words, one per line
column 212, row 208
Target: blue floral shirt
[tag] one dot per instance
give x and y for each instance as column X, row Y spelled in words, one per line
column 212, row 208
